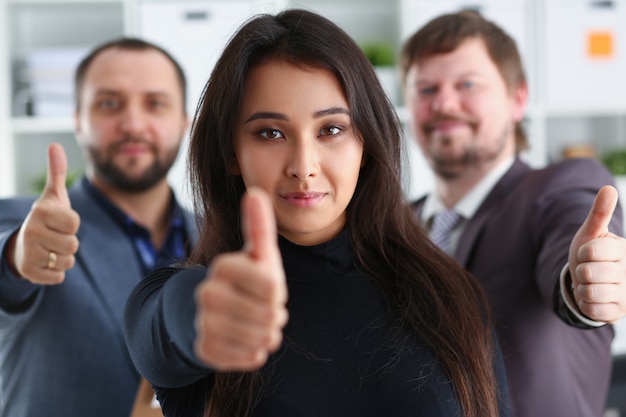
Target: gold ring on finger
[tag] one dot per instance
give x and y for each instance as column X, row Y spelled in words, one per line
column 52, row 260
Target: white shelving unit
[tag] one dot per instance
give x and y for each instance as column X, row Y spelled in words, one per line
column 567, row 107
column 34, row 28
column 29, row 26
column 6, row 137
column 44, row 25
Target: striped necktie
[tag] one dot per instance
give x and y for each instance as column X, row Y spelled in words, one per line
column 442, row 226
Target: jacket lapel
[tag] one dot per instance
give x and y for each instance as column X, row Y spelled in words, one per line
column 103, row 254
column 488, row 208
column 475, row 225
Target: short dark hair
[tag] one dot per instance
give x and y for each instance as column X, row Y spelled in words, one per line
column 445, row 33
column 130, row 44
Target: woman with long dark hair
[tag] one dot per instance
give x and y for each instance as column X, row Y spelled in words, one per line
column 351, row 310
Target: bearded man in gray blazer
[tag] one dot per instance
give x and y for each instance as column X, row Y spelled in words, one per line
column 544, row 244
column 70, row 258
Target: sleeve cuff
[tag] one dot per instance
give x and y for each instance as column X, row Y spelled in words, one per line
column 565, row 284
column 179, row 310
column 16, row 293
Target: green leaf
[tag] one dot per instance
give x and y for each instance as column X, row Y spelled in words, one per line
column 615, row 161
column 380, row 54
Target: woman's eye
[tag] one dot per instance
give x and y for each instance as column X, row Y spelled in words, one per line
column 271, row 134
column 467, row 85
column 330, row 131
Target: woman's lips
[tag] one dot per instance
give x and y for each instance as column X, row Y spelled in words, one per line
column 299, row 199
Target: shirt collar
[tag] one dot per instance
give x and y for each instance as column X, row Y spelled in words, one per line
column 469, row 204
column 123, row 219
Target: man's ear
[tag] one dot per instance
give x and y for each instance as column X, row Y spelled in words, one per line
column 76, row 122
column 520, row 100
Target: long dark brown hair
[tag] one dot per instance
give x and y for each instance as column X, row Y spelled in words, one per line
column 427, row 292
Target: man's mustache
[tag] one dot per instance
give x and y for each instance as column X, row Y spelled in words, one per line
column 134, row 141
column 433, row 123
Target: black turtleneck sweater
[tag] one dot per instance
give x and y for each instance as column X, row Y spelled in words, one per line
column 340, row 356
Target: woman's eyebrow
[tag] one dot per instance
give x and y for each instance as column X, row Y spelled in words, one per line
column 266, row 115
column 280, row 116
column 330, row 111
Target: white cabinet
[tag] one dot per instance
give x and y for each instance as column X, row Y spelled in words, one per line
column 195, row 33
column 582, row 65
column 583, row 62
column 585, row 53
column 574, row 54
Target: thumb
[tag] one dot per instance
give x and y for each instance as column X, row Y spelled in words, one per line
column 56, row 174
column 597, row 222
column 259, row 227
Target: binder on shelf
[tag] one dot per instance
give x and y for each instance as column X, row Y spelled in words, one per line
column 50, row 75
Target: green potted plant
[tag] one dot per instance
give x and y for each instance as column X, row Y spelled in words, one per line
column 382, row 56
column 39, row 182
column 615, row 161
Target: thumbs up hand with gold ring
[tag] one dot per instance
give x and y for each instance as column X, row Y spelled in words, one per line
column 44, row 246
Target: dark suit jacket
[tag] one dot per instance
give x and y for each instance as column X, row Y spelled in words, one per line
column 65, row 355
column 516, row 245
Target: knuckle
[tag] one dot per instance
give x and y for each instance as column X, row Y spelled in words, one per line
column 27, row 271
column 584, row 272
column 260, row 357
column 276, row 340
column 74, row 245
column 56, row 278
column 200, row 349
column 75, row 221
column 30, row 233
column 202, row 295
column 38, row 209
column 71, row 262
column 585, row 292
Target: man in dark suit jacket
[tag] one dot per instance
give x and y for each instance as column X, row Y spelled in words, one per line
column 70, row 259
column 548, row 267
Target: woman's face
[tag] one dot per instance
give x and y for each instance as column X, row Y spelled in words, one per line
column 295, row 140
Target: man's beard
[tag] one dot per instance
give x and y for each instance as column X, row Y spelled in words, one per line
column 450, row 168
column 106, row 169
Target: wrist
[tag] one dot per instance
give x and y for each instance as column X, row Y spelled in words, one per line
column 9, row 255
column 566, row 285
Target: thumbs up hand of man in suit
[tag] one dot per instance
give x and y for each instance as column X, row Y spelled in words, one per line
column 241, row 305
column 597, row 263
column 45, row 245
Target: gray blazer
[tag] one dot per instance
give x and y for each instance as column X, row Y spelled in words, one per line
column 65, row 354
column 516, row 245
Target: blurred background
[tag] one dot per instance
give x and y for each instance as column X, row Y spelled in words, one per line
column 574, row 53
column 573, row 50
